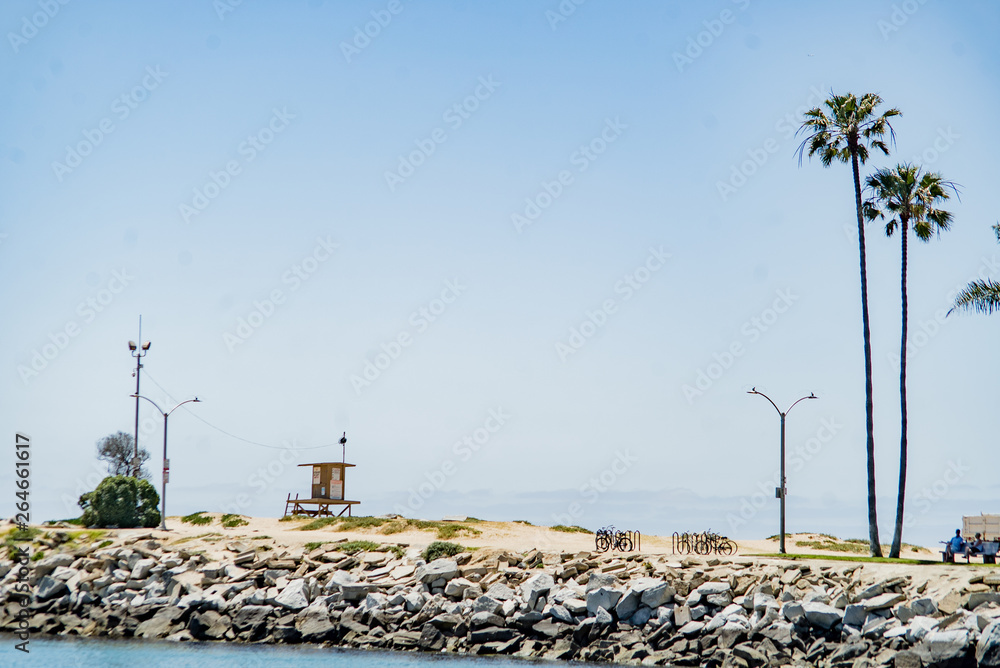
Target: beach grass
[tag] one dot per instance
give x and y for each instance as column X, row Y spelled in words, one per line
column 570, row 529
column 387, row 527
column 872, row 560
column 198, row 519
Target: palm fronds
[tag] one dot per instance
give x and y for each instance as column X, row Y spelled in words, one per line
column 978, row 296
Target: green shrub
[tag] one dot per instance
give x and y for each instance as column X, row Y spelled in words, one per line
column 572, row 529
column 318, row 523
column 439, row 549
column 26, row 534
column 231, row 521
column 363, row 522
column 198, row 519
column 355, row 546
column 123, row 502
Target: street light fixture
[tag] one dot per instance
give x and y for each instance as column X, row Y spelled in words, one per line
column 781, row 492
column 166, row 462
column 138, row 352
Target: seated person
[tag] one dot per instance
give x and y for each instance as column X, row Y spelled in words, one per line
column 955, row 545
column 975, row 547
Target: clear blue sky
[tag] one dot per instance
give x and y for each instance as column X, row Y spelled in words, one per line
column 460, row 192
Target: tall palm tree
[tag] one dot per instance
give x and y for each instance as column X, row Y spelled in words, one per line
column 980, row 296
column 844, row 133
column 906, row 198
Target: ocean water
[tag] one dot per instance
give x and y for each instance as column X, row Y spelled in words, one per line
column 69, row 653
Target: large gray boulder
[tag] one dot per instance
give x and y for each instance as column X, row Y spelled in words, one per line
column 882, row 601
column 988, row 647
column 208, row 625
column 487, row 603
column 314, row 624
column 536, row 586
column 710, row 588
column 821, row 614
column 295, row 596
column 945, row 648
column 141, row 569
column 48, row 587
column 500, row 592
column 439, row 569
column 251, row 618
column 855, row 615
column 978, row 598
column 561, row 614
column 52, row 562
column 159, row 625
column 627, row 604
column 603, row 597
column 456, row 587
column 598, row 580
column 657, row 595
column 793, row 611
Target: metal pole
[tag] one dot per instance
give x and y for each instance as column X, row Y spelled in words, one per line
column 781, row 491
column 163, row 497
column 781, row 548
column 138, row 367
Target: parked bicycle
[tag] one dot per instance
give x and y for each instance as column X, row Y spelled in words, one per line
column 702, row 543
column 610, row 538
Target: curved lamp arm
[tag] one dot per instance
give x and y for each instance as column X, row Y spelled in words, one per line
column 754, row 391
column 162, row 412
column 139, row 396
column 811, row 396
column 195, row 400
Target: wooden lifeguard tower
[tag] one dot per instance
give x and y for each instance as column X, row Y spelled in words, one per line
column 327, row 490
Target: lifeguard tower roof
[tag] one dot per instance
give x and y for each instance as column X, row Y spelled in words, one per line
column 327, row 464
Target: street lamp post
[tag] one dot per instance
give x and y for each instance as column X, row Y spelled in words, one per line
column 166, row 462
column 781, row 492
column 138, row 352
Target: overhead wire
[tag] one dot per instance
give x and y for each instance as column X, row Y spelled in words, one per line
column 230, row 435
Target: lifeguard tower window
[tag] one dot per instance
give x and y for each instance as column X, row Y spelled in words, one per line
column 328, row 481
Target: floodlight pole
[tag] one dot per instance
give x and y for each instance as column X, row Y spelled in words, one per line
column 781, row 492
column 138, row 352
column 163, row 495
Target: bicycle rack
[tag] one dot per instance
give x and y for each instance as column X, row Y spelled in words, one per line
column 706, row 542
column 610, row 538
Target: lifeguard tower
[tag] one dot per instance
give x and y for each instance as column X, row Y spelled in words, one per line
column 327, row 490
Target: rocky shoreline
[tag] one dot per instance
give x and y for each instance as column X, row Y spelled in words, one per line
column 632, row 609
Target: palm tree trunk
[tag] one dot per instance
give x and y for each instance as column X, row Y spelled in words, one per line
column 897, row 537
column 875, row 547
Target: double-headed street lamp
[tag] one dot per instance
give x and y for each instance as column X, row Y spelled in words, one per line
column 780, row 492
column 138, row 352
column 166, row 462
